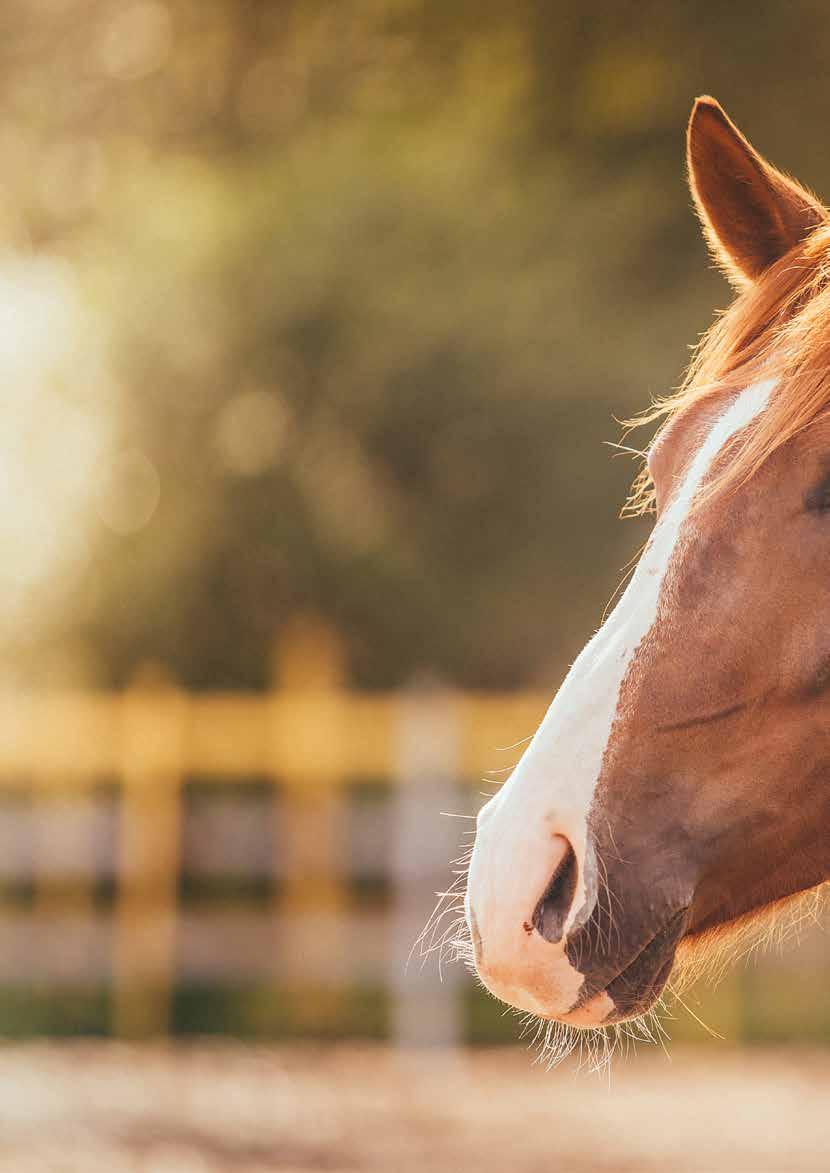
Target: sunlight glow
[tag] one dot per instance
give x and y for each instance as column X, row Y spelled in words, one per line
column 54, row 427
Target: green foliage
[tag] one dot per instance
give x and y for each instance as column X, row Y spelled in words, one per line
column 375, row 280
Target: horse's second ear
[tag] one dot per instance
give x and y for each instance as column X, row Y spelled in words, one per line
column 751, row 213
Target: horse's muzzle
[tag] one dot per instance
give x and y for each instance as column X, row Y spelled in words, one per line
column 629, row 966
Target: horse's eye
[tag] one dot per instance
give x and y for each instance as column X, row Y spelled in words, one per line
column 818, row 499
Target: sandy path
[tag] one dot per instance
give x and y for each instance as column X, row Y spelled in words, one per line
column 81, row 1108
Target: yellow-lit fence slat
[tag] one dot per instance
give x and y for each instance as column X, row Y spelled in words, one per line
column 144, row 946
column 309, row 756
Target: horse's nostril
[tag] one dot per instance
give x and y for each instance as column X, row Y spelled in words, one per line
column 553, row 908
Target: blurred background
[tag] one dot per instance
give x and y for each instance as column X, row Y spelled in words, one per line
column 315, row 317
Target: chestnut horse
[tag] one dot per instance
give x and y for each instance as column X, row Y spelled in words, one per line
column 679, row 784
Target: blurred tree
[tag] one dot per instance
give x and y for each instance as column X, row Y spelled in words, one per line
column 374, row 279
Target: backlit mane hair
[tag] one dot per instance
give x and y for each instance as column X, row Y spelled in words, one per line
column 777, row 328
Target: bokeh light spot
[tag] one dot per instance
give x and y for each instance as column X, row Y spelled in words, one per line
column 131, row 493
column 251, row 431
column 136, row 41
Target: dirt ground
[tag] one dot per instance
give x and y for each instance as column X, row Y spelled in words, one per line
column 210, row 1108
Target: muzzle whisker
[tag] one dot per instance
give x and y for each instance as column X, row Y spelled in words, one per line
column 611, row 898
column 448, row 902
column 709, row 1030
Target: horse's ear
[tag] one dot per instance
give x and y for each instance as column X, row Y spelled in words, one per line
column 751, row 213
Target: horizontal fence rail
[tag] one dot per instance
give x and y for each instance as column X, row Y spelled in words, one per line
column 322, row 737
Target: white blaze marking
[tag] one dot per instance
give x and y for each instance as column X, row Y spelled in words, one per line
column 551, row 790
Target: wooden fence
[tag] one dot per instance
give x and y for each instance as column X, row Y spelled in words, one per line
column 309, row 735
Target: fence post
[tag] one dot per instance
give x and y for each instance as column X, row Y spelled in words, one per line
column 428, row 1009
column 153, row 715
column 309, row 668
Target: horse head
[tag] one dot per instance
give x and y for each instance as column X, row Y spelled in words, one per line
column 679, row 785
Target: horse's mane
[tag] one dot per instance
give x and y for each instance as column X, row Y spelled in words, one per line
column 777, row 328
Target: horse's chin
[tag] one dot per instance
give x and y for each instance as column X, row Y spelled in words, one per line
column 602, row 1010
column 632, row 992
